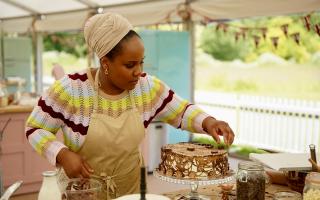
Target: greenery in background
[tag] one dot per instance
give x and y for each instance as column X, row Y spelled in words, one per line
column 268, row 76
column 69, row 62
column 65, row 48
column 242, row 151
column 222, row 46
column 239, row 67
column 68, row 42
column 290, row 71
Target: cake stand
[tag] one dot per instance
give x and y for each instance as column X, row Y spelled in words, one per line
column 194, row 195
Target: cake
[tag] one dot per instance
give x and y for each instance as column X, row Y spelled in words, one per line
column 193, row 161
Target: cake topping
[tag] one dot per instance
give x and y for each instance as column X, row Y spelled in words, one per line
column 190, row 148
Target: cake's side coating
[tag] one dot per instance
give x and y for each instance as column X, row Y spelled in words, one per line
column 193, row 161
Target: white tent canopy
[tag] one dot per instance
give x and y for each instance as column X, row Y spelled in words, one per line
column 61, row 15
column 21, row 16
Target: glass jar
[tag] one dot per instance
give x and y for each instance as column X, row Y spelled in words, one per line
column 311, row 190
column 287, row 195
column 84, row 189
column 3, row 95
column 251, row 181
column 49, row 189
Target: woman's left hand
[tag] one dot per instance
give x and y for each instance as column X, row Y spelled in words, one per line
column 217, row 128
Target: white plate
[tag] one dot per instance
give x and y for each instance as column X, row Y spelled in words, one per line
column 148, row 197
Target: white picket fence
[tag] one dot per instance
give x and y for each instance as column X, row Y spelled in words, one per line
column 279, row 124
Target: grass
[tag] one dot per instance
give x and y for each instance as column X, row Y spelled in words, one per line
column 287, row 79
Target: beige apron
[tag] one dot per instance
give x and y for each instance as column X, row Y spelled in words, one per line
column 111, row 148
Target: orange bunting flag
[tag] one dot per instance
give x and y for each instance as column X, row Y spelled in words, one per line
column 275, row 41
column 225, row 28
column 264, row 32
column 256, row 40
column 236, row 36
column 205, row 21
column 244, row 32
column 220, row 25
column 284, row 28
column 306, row 20
column 317, row 29
column 296, row 37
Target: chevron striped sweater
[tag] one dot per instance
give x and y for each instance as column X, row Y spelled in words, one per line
column 68, row 104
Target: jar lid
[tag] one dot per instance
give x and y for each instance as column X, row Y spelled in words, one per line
column 250, row 165
column 49, row 173
column 313, row 177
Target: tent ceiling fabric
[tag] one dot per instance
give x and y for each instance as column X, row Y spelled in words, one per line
column 64, row 15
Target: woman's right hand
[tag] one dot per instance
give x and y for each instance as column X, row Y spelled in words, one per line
column 73, row 164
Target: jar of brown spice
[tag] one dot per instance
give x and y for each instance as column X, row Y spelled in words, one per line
column 251, row 181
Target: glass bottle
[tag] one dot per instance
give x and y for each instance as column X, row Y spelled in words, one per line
column 49, row 189
column 311, row 190
column 251, row 181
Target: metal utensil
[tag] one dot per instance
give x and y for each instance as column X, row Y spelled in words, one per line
column 313, row 156
column 11, row 189
column 314, row 165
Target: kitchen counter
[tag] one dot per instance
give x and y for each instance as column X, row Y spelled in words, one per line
column 17, row 156
column 16, row 109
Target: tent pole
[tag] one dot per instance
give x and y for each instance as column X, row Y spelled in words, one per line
column 39, row 67
column 191, row 30
column 37, row 56
column 189, row 26
column 1, row 53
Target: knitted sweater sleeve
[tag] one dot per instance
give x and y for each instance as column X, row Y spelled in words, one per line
column 171, row 108
column 48, row 117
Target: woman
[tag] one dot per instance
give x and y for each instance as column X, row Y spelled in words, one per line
column 103, row 112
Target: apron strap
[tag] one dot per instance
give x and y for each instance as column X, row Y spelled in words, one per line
column 109, row 183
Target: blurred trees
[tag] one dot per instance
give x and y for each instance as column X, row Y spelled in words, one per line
column 69, row 42
column 223, row 45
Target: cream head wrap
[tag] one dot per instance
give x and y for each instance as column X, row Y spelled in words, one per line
column 102, row 32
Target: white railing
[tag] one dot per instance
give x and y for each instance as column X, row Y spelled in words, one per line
column 278, row 124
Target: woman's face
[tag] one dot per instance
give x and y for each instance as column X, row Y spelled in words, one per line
column 125, row 69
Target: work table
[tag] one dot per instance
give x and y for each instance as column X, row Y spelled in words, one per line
column 214, row 192
column 16, row 109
